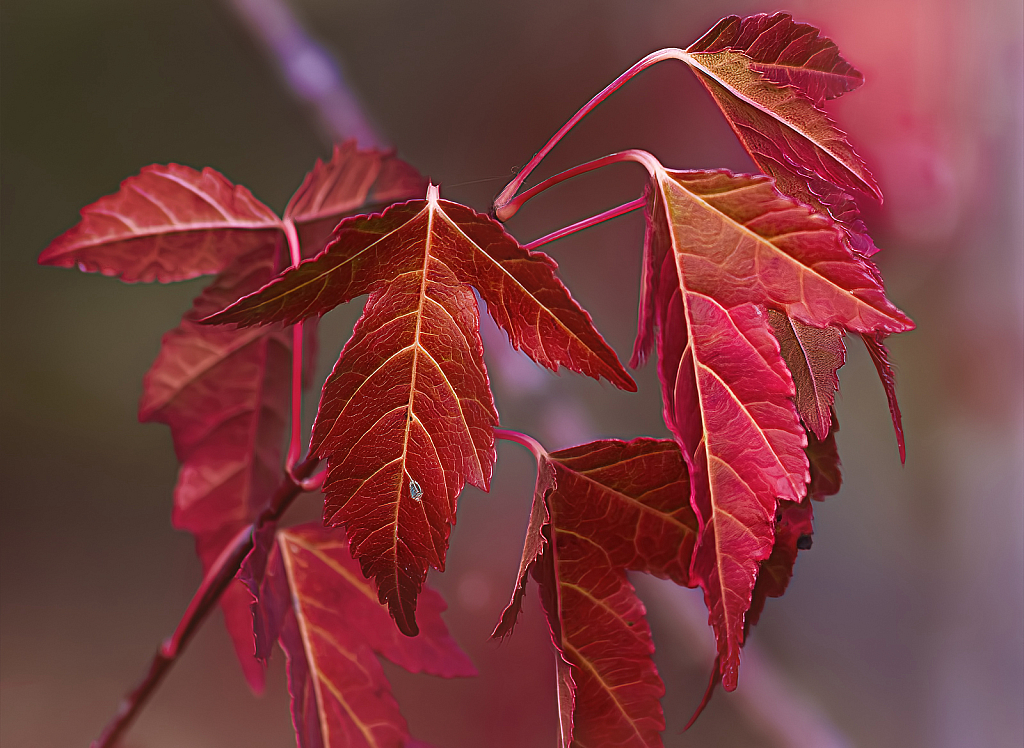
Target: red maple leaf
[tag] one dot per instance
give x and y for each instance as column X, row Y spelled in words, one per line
column 223, row 392
column 599, row 510
column 311, row 597
column 406, row 417
column 718, row 247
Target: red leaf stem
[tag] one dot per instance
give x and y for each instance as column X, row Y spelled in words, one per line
column 295, row 439
column 586, row 223
column 216, row 581
column 502, row 202
column 525, row 440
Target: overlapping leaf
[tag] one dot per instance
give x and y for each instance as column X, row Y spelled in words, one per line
column 172, row 223
column 720, row 246
column 739, row 239
column 785, row 52
column 813, row 356
column 780, row 122
column 224, row 393
column 406, row 416
column 312, row 598
column 788, row 137
column 353, row 180
column 169, row 223
column 601, row 509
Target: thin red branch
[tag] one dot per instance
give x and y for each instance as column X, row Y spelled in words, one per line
column 203, row 602
column 503, row 200
column 586, row 223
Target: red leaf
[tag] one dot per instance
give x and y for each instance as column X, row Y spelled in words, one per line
column 520, row 288
column 823, row 456
column 330, row 625
column 813, row 356
column 613, row 506
column 793, row 530
column 225, row 395
column 785, row 52
column 169, row 223
column 406, row 416
column 824, row 197
column 352, row 180
column 880, row 357
column 717, row 245
column 779, row 122
column 727, row 396
column 740, row 240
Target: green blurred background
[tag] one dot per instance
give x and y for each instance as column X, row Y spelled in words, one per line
column 903, row 625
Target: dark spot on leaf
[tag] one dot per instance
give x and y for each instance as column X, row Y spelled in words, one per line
column 804, row 542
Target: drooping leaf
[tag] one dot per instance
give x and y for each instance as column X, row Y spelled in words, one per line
column 169, row 223
column 353, row 180
column 406, row 416
column 727, row 394
column 880, row 358
column 824, row 197
column 813, row 356
column 779, row 122
column 601, row 509
column 823, row 456
column 225, row 395
column 785, row 52
column 793, row 531
column 327, row 619
column 718, row 247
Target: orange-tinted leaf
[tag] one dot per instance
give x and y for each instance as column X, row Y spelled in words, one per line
column 353, row 180
column 330, row 625
column 785, row 52
column 169, row 223
column 612, row 506
column 406, row 416
column 779, row 122
column 813, row 355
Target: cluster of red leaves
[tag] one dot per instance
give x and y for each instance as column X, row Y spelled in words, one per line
column 750, row 283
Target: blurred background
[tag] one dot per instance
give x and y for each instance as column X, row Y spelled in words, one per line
column 902, row 627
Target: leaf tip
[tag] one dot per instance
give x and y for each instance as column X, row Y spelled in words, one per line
column 713, row 681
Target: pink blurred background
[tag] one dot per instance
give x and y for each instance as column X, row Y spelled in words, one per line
column 902, row 627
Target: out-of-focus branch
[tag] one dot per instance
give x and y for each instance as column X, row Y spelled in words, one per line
column 772, row 704
column 310, row 71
